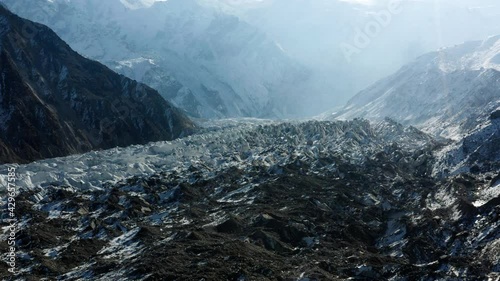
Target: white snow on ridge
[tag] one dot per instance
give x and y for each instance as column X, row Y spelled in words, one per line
column 135, row 68
column 486, row 194
column 474, row 55
column 138, row 4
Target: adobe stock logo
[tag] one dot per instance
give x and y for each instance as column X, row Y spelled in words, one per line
column 364, row 36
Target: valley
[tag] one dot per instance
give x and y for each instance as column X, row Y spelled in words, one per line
column 196, row 140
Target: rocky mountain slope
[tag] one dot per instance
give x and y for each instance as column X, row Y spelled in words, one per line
column 54, row 102
column 275, row 201
column 206, row 62
column 478, row 151
column 446, row 93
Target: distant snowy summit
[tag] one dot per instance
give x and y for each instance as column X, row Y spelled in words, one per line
column 139, row 4
column 445, row 93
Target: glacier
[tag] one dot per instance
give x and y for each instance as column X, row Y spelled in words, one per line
column 287, row 192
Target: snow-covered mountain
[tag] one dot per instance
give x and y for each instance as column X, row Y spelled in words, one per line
column 209, row 63
column 446, row 93
column 54, row 102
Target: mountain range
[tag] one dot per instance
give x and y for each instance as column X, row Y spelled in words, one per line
column 206, row 62
column 270, row 58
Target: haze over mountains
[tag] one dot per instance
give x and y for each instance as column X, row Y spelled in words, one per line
column 210, row 64
column 314, row 31
column 253, row 54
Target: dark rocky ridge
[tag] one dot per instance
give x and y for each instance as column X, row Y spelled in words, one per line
column 54, row 102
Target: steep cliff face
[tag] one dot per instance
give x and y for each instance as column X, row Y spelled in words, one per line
column 54, row 102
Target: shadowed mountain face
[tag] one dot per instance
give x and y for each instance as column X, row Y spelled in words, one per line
column 54, row 102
